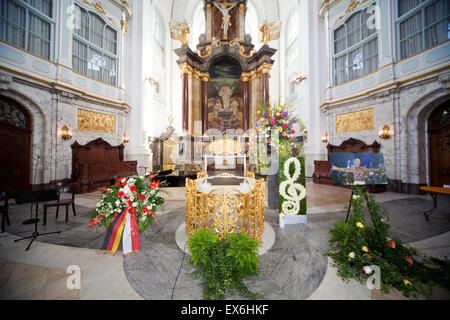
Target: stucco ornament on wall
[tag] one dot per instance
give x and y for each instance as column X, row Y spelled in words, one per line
column 96, row 122
column 355, row 121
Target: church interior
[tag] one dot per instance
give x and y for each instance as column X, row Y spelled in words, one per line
column 272, row 122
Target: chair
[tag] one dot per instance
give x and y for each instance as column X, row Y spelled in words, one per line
column 4, row 196
column 70, row 188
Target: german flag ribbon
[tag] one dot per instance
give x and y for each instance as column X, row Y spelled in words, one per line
column 123, row 226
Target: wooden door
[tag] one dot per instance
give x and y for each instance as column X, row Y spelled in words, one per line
column 439, row 133
column 15, row 146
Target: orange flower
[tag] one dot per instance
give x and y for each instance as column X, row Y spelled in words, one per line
column 409, row 260
column 391, row 244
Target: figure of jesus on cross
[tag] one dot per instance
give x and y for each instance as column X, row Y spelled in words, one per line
column 225, row 8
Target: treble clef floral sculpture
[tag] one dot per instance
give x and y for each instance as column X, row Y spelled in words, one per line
column 291, row 191
column 279, row 128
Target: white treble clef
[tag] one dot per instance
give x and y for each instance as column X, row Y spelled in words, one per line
column 295, row 192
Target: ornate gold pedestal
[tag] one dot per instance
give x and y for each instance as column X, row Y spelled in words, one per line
column 225, row 210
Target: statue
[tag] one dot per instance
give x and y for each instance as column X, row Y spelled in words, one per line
column 225, row 93
column 225, row 8
column 270, row 31
column 179, row 31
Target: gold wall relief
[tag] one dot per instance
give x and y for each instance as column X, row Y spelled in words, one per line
column 355, row 121
column 270, row 31
column 96, row 122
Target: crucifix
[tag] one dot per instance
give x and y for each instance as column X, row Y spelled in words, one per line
column 225, row 8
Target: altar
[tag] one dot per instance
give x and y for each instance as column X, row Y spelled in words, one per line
column 224, row 80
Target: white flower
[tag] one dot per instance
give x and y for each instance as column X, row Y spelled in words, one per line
column 351, row 255
column 135, row 205
column 356, row 197
column 367, row 270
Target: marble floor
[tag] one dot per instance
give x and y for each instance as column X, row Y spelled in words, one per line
column 42, row 272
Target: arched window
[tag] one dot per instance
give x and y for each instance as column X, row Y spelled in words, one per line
column 292, row 34
column 158, row 38
column 355, row 45
column 421, row 24
column 94, row 48
column 28, row 24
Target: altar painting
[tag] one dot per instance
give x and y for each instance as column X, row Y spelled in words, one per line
column 225, row 102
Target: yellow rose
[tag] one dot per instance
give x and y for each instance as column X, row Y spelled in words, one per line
column 281, row 129
column 365, row 249
column 359, row 225
column 407, row 283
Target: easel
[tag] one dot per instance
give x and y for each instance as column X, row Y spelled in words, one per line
column 367, row 203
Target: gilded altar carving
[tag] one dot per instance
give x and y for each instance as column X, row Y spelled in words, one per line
column 355, row 121
column 270, row 31
column 237, row 45
column 96, row 122
column 179, row 31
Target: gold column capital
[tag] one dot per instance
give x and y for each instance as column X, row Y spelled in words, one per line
column 246, row 76
column 265, row 68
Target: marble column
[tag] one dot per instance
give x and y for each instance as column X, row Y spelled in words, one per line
column 208, row 23
column 204, row 105
column 241, row 22
column 246, row 104
column 185, row 102
column 265, row 86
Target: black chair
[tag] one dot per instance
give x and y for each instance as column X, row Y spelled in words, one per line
column 69, row 188
column 4, row 196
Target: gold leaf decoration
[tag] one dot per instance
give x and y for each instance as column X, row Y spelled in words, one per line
column 96, row 122
column 355, row 121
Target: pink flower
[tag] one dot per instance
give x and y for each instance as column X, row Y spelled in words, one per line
column 273, row 122
column 367, row 270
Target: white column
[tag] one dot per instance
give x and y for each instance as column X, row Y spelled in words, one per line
column 134, row 76
column 313, row 147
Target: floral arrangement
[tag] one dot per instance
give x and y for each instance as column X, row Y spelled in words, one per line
column 358, row 247
column 279, row 119
column 139, row 195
